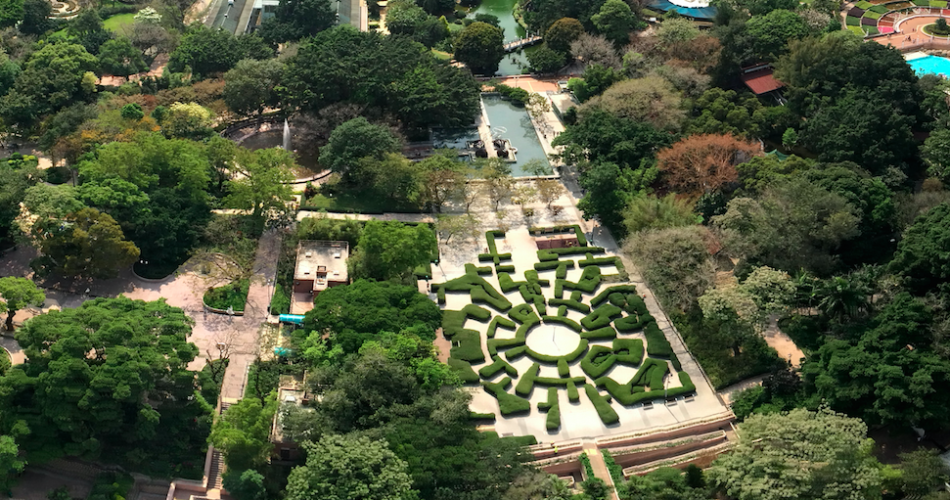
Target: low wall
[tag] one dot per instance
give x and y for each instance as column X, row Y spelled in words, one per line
column 635, row 458
column 665, row 434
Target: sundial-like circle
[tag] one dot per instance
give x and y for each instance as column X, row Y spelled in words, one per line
column 552, row 339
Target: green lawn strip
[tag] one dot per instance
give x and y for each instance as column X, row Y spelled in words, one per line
column 233, row 295
column 657, row 345
column 497, row 365
column 602, row 404
column 856, row 30
column 921, row 3
column 940, row 4
column 499, row 321
column 553, row 409
column 509, row 404
column 570, row 323
column 116, row 22
column 601, row 317
column 464, row 370
column 863, row 4
column 554, row 253
column 571, row 304
column 872, row 15
column 871, row 30
column 852, row 21
column 880, row 9
column 606, row 332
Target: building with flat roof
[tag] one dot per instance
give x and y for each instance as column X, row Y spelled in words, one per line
column 320, row 265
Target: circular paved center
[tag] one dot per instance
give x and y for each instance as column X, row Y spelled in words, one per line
column 553, row 340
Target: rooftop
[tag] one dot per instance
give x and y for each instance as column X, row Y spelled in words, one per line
column 326, row 259
column 760, row 80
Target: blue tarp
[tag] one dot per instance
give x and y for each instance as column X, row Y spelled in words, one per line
column 291, row 318
column 283, row 352
column 697, row 13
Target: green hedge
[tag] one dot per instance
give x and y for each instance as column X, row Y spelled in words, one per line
column 562, row 311
column 606, row 413
column 523, row 313
column 572, row 393
column 553, row 409
column 497, row 365
column 469, row 347
column 476, row 286
column 464, row 370
column 515, row 352
column 482, row 416
column 650, row 374
column 852, row 21
column 606, row 332
column 605, row 294
column 570, row 323
column 526, row 382
column 563, row 368
column 507, row 403
column 499, row 321
column 616, row 471
column 601, row 317
column 628, row 351
column 280, row 302
column 507, row 284
column 569, row 357
column 657, row 345
column 495, row 344
column 598, row 360
column 440, row 293
column 553, row 253
column 481, row 271
column 505, row 268
column 572, row 304
column 232, row 295
column 590, row 280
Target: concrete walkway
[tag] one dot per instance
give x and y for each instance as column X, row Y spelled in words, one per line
column 600, row 468
column 729, row 392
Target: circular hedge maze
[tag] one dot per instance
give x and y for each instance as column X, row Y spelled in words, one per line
column 614, row 329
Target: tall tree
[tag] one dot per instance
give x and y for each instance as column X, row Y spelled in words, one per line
column 10, row 463
column 262, row 183
column 920, row 256
column 118, row 57
column 87, row 243
column 562, row 32
column 675, row 262
column 352, row 141
column 252, row 85
column 802, row 454
column 296, row 19
column 17, row 293
column 243, row 433
column 349, row 467
column 615, row 20
column 704, row 163
column 481, row 47
column 391, row 249
column 651, row 212
column 646, row 100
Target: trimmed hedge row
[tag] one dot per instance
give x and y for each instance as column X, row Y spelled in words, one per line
column 602, row 404
column 570, row 323
column 523, row 313
column 481, row 271
column 605, row 293
column 571, row 304
column 515, row 352
column 606, row 332
column 508, row 404
column 569, row 357
column 590, row 280
column 464, row 370
column 599, row 359
column 636, row 396
column 504, row 268
column 499, row 321
column 628, row 351
column 657, row 345
column 651, row 373
column 562, row 311
column 469, row 347
column 553, row 410
column 482, row 416
column 527, row 382
column 507, row 284
column 563, row 369
column 601, row 317
column 497, row 365
column 479, row 290
column 554, row 253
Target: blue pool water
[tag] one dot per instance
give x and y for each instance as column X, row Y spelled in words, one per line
column 931, row 65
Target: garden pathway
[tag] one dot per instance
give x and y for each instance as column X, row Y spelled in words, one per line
column 600, row 468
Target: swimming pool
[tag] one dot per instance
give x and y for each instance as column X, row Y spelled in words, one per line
column 930, row 65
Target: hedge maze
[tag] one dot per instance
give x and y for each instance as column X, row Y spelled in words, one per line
column 611, row 332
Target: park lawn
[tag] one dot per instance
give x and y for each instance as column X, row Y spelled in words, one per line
column 442, row 56
column 356, row 203
column 117, row 21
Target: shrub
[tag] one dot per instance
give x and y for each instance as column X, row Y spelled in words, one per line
column 601, row 317
column 481, row 271
column 499, row 321
column 58, row 175
column 616, row 471
column 572, row 304
column 605, row 294
column 497, row 365
column 233, row 295
column 628, row 351
column 657, row 345
column 464, row 370
column 563, row 369
column 606, row 413
column 562, row 311
column 572, row 393
column 505, row 268
column 553, row 408
column 554, row 253
column 482, row 416
column 581, row 239
column 470, row 282
column 597, row 361
column 564, row 321
column 507, row 403
column 523, row 313
column 515, row 353
column 526, row 382
column 606, row 332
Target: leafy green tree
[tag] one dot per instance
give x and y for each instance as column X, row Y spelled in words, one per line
column 890, row 374
column 922, row 473
column 353, row 140
column 296, row 19
column 720, row 111
column 936, row 153
column 349, row 467
column 86, row 243
column 10, row 463
column 86, row 22
column 600, row 136
column 14, row 182
column 243, row 433
column 772, row 32
column 615, row 20
column 133, row 112
column 920, row 257
column 108, row 378
column 676, row 31
column 561, row 33
column 36, row 14
column 403, row 17
column 246, row 485
column 208, row 51
column 596, row 79
column 52, row 78
column 252, row 85
column 264, row 186
column 802, row 454
column 11, row 11
column 18, row 293
column 391, row 249
column 118, row 57
column 544, row 59
column 187, row 120
column 651, row 212
column 608, row 188
column 481, row 47
column 651, row 99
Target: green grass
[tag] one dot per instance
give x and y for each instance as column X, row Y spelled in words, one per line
column 116, row 22
column 872, row 15
column 940, row 4
column 357, row 203
column 880, row 9
column 863, row 5
column 856, row 30
column 442, row 56
column 852, row 21
column 231, row 295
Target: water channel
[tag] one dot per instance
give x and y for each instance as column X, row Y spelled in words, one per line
column 513, row 63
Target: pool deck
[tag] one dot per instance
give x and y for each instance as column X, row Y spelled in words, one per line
column 908, row 36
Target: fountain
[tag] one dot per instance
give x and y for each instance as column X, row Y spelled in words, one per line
column 286, row 143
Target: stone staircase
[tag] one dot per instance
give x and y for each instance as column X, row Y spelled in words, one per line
column 215, row 471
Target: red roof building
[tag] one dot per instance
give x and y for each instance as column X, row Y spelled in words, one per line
column 760, row 80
